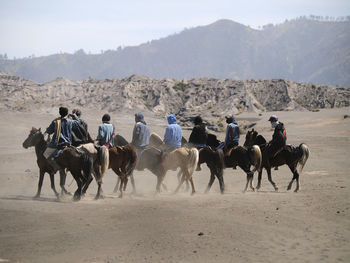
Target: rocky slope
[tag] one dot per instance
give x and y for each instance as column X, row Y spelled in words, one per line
column 211, row 98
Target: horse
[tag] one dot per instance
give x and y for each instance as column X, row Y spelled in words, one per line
column 240, row 156
column 215, row 162
column 289, row 155
column 100, row 157
column 80, row 164
column 159, row 162
column 36, row 139
column 122, row 160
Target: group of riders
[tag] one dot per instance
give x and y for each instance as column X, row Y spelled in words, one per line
column 70, row 129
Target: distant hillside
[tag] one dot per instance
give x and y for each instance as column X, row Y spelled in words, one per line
column 208, row 97
column 301, row 50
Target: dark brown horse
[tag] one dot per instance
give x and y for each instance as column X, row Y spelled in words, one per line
column 122, row 160
column 36, row 139
column 80, row 165
column 100, row 157
column 243, row 157
column 289, row 155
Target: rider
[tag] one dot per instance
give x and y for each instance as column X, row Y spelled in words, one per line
column 106, row 132
column 232, row 135
column 140, row 134
column 199, row 134
column 62, row 129
column 278, row 141
column 173, row 134
column 80, row 134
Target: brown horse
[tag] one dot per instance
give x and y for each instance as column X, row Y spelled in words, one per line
column 159, row 162
column 80, row 165
column 122, row 160
column 36, row 139
column 289, row 155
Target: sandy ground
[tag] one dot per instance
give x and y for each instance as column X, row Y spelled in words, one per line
column 266, row 226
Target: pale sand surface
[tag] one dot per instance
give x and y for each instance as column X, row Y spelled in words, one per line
column 266, row 226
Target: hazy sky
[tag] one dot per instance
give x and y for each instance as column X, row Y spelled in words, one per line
column 44, row 27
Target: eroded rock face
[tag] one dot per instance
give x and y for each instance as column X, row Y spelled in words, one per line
column 208, row 97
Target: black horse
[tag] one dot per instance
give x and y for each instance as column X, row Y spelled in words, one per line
column 217, row 160
column 289, row 155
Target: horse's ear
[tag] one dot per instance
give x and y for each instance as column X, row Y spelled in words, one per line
column 253, row 130
column 40, row 129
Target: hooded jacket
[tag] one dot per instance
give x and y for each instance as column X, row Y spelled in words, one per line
column 173, row 133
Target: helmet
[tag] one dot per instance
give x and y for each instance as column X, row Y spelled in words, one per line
column 273, row 118
column 106, row 118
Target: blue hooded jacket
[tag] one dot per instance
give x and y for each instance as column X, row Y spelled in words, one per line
column 173, row 133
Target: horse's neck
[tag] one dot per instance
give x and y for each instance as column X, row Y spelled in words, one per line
column 260, row 140
column 40, row 147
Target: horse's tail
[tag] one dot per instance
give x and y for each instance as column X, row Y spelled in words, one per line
column 255, row 157
column 132, row 156
column 103, row 155
column 193, row 160
column 88, row 164
column 304, row 150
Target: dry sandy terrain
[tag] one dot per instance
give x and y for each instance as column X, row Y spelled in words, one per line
column 312, row 225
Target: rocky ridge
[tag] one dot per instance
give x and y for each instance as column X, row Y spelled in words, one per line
column 211, row 98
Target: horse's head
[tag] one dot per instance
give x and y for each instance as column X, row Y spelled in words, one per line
column 250, row 138
column 34, row 137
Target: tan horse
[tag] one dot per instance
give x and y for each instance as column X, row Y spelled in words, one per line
column 159, row 162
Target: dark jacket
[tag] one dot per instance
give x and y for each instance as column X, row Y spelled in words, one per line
column 279, row 136
column 199, row 135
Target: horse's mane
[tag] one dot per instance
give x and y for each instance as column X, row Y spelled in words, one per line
column 120, row 140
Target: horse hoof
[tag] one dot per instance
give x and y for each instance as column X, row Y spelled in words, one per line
column 76, row 198
column 276, row 189
column 36, row 197
column 193, row 193
column 295, row 191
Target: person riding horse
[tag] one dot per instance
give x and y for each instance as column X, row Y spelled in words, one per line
column 173, row 134
column 106, row 132
column 232, row 135
column 199, row 134
column 80, row 134
column 62, row 129
column 278, row 141
column 140, row 134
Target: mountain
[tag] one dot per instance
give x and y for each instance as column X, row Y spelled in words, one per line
column 302, row 50
column 211, row 98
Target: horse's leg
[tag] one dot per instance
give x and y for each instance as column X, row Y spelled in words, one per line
column 122, row 181
column 295, row 177
column 192, row 185
column 98, row 178
column 116, row 171
column 250, row 175
column 180, row 183
column 259, row 179
column 268, row 169
column 211, row 180
column 86, row 186
column 77, row 194
column 52, row 180
column 133, row 183
column 179, row 179
column 219, row 175
column 63, row 176
column 40, row 183
column 159, row 182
